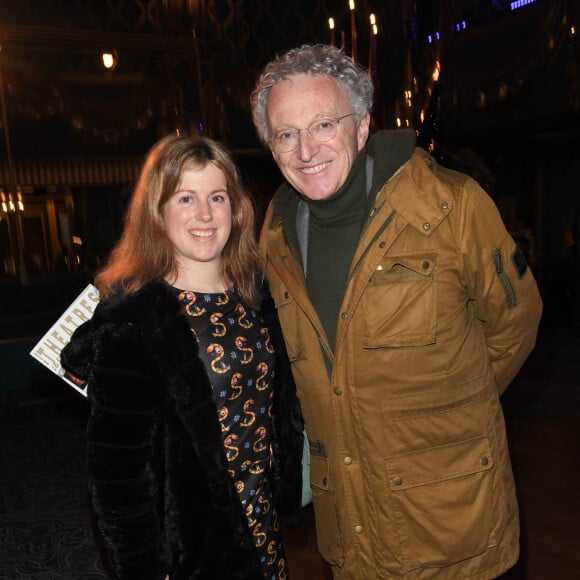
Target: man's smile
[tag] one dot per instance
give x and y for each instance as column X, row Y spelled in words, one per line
column 316, row 169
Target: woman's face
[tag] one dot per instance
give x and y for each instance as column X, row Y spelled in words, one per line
column 198, row 217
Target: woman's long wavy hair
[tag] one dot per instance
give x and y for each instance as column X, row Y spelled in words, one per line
column 145, row 252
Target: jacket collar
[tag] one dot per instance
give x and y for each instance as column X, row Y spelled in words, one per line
column 418, row 194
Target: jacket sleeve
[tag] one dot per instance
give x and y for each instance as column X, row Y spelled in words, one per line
column 121, row 469
column 507, row 300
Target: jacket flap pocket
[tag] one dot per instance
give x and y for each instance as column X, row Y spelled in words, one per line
column 400, row 303
column 438, row 464
column 403, row 267
column 319, row 471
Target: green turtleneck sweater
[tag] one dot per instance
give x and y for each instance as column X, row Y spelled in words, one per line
column 334, row 230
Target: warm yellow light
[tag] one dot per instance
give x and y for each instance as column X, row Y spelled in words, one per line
column 573, row 30
column 331, row 23
column 436, row 71
column 372, row 19
column 351, row 4
column 375, row 29
column 109, row 60
column 398, row 122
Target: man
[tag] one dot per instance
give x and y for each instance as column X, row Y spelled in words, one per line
column 407, row 309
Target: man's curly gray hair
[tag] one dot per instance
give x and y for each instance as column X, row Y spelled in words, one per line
column 319, row 59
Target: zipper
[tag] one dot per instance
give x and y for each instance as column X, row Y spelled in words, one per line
column 327, row 355
column 378, row 233
column 508, row 289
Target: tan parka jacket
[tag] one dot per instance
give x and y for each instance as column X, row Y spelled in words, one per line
column 410, row 471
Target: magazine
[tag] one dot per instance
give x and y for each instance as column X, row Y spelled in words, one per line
column 47, row 349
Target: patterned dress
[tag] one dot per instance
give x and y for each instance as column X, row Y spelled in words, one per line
column 235, row 347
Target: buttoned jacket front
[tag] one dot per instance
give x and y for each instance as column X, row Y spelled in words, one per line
column 410, row 471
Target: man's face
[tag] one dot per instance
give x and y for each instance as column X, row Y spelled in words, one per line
column 316, row 169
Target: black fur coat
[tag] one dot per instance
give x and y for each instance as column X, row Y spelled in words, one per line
column 162, row 497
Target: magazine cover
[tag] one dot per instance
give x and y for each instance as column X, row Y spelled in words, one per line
column 47, row 349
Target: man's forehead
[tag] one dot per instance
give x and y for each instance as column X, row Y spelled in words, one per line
column 306, row 97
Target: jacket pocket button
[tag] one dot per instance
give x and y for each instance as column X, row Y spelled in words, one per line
column 358, row 529
column 398, row 481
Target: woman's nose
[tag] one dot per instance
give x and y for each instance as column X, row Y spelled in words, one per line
column 203, row 211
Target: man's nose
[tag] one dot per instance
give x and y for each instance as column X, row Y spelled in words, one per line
column 307, row 146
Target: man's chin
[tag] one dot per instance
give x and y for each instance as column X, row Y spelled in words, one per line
column 311, row 191
column 316, row 195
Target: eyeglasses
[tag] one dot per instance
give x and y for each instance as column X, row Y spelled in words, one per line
column 321, row 130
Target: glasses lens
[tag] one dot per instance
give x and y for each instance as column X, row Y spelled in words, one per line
column 286, row 140
column 320, row 130
column 323, row 129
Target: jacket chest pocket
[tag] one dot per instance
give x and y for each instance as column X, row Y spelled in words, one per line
column 399, row 305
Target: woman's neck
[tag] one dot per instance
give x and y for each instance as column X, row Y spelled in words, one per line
column 203, row 279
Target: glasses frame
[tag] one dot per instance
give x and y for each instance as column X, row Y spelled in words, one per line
column 335, row 120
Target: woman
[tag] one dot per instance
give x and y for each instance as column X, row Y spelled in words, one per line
column 194, row 439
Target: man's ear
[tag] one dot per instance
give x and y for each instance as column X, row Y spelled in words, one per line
column 363, row 131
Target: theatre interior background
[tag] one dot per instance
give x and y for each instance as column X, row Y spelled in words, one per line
column 491, row 87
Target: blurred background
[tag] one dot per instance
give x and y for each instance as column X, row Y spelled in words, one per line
column 491, row 87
